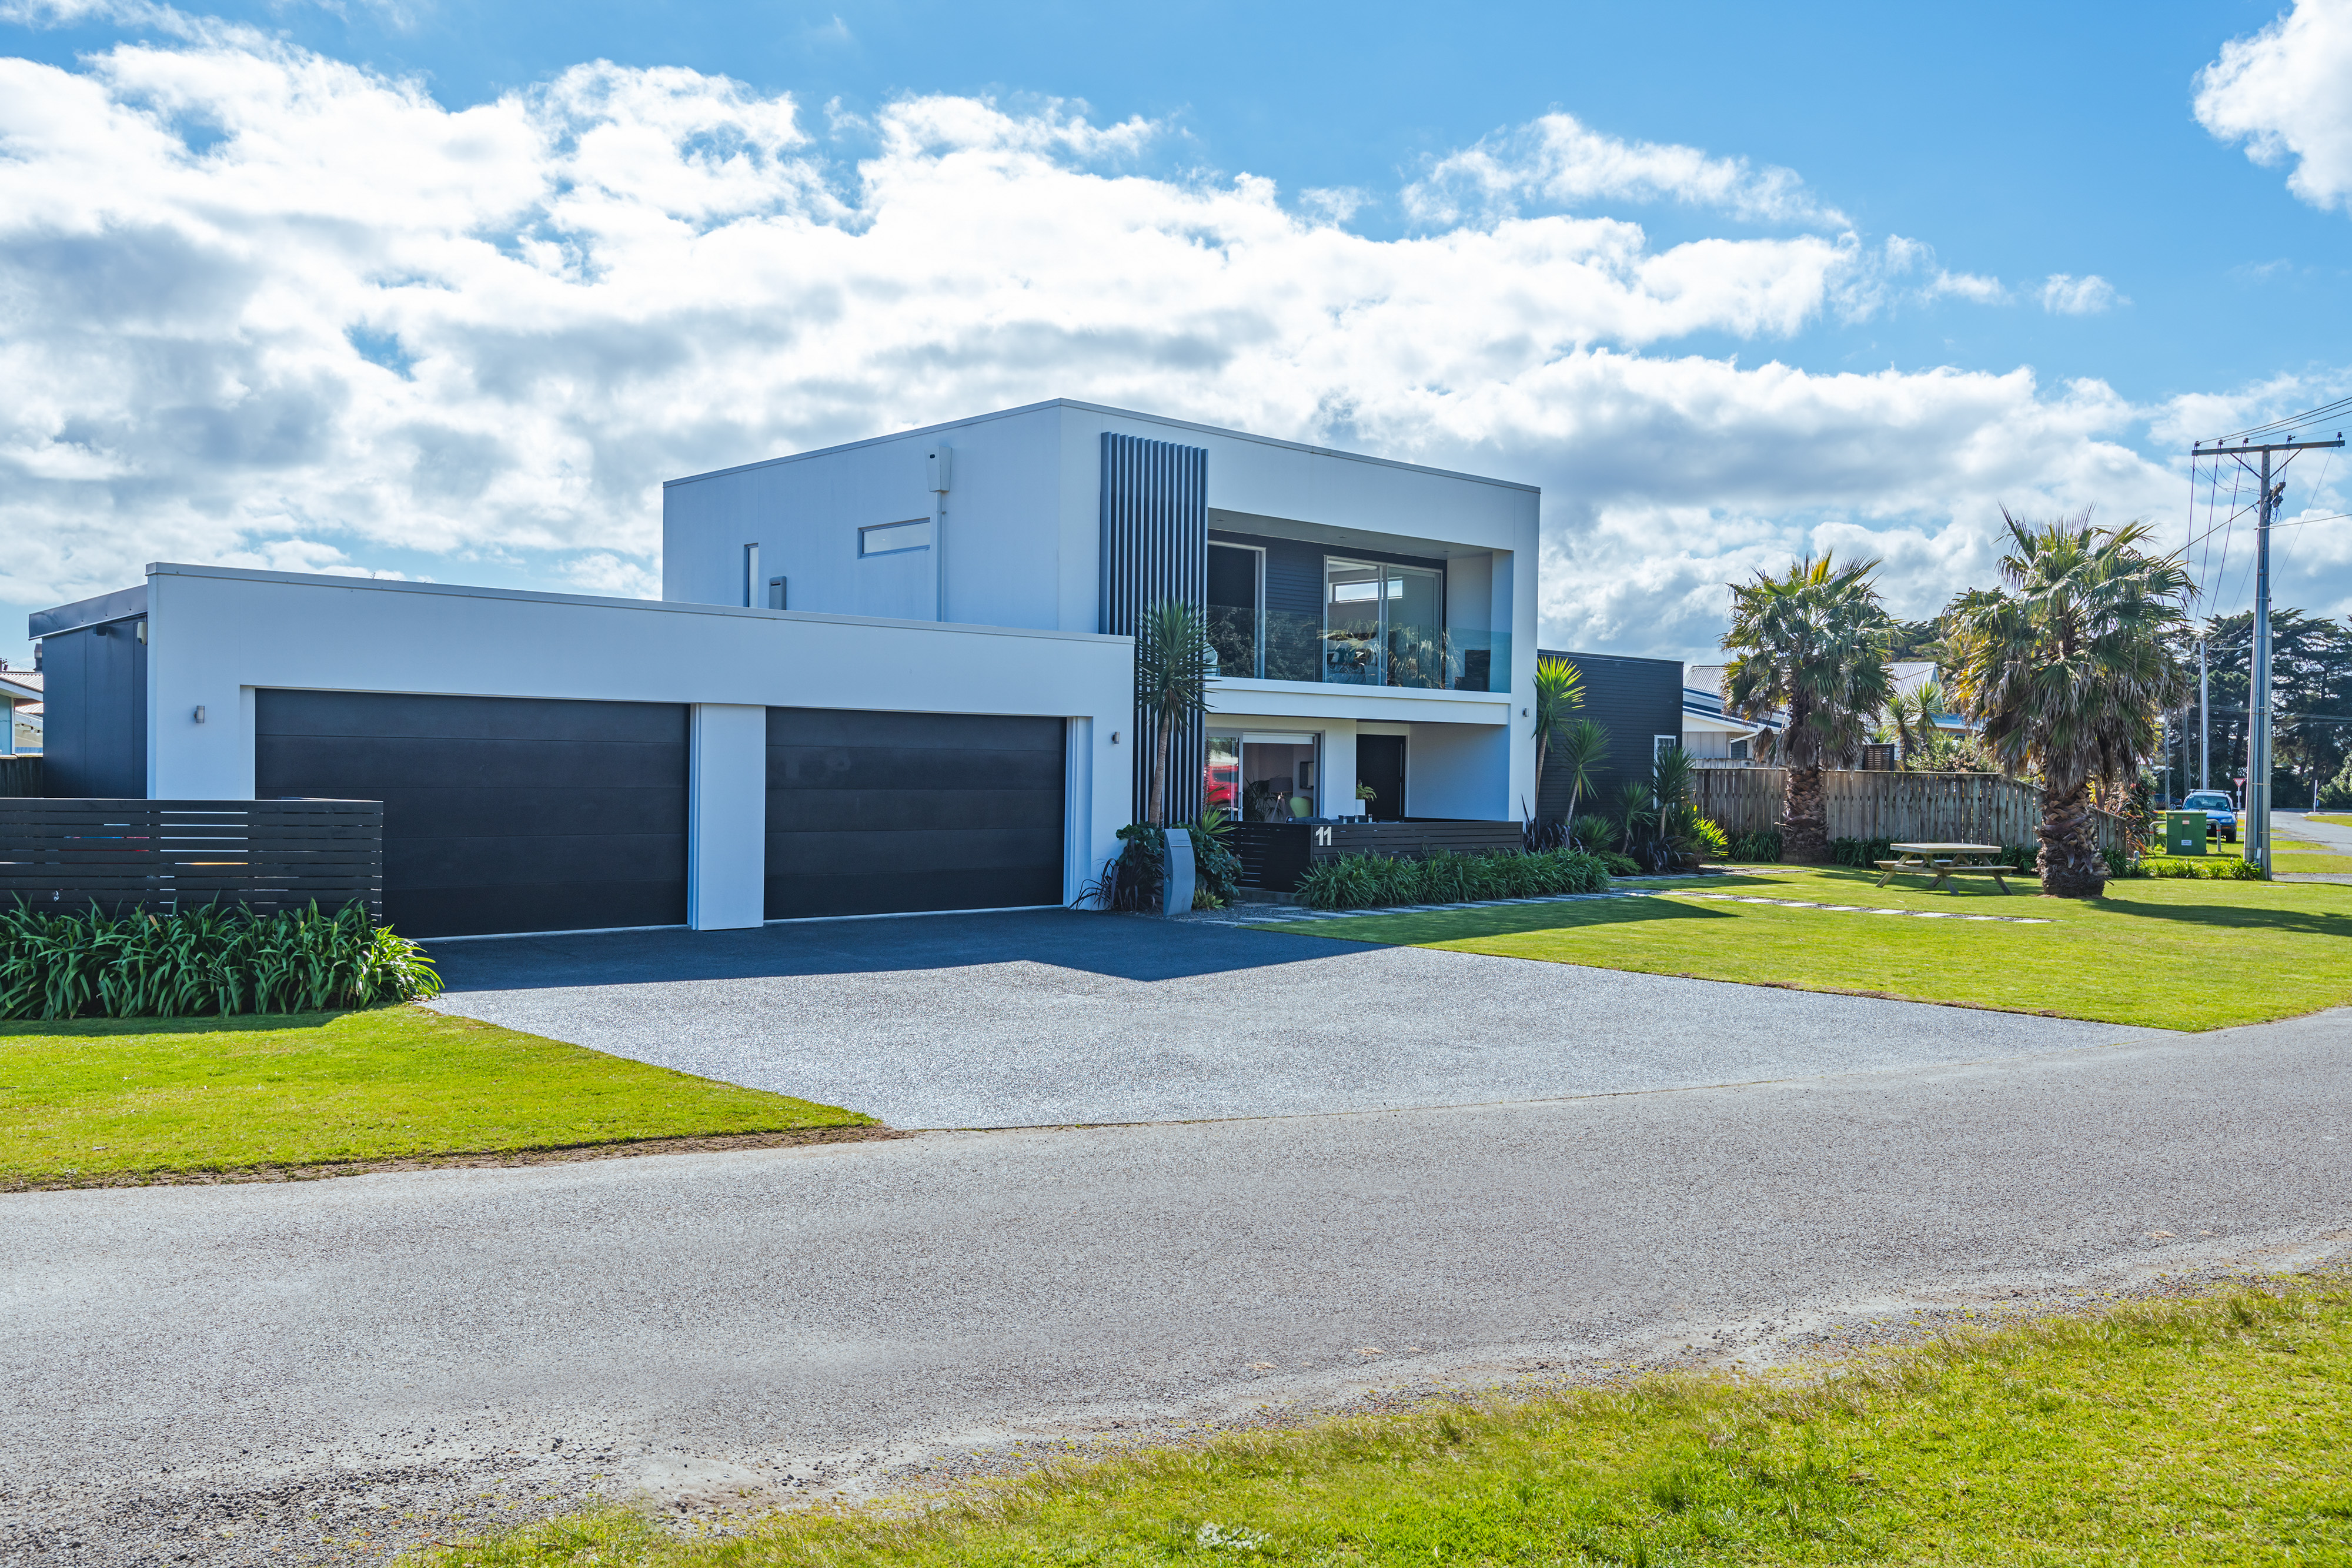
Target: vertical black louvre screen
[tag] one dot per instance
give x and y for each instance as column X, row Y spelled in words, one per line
column 1155, row 547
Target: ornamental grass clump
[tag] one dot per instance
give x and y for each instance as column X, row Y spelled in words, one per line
column 1366, row 882
column 201, row 962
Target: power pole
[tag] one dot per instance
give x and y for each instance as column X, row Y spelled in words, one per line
column 2258, row 725
column 2204, row 723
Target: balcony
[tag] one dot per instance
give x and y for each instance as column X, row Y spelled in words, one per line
column 1289, row 645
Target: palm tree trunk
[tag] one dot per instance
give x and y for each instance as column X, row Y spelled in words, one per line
column 2070, row 862
column 1805, row 817
column 1167, row 727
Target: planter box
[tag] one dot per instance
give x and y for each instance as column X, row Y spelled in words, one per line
column 1274, row 855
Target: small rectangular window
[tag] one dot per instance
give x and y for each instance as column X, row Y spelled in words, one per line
column 888, row 538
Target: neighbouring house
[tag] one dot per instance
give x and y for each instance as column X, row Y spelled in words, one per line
column 21, row 711
column 886, row 677
column 1712, row 734
column 1636, row 702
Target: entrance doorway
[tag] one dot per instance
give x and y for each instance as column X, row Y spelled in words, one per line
column 1379, row 763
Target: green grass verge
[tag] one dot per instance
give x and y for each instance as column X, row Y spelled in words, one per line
column 2325, row 817
column 101, row 1099
column 2215, row 1430
column 2295, row 857
column 2171, row 953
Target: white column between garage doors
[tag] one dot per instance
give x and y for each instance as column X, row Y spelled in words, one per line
column 726, row 820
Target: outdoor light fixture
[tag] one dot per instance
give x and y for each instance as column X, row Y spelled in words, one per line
column 200, row 714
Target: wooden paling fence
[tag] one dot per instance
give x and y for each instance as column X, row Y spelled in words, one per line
column 1950, row 807
column 65, row 855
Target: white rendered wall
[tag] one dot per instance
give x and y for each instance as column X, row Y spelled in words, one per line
column 1454, row 770
column 726, row 816
column 997, row 541
column 215, row 635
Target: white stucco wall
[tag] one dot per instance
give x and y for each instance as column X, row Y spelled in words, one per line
column 214, row 636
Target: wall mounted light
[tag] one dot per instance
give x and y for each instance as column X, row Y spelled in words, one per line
column 1114, row 737
column 200, row 715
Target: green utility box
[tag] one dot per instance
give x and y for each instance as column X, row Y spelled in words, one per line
column 2184, row 832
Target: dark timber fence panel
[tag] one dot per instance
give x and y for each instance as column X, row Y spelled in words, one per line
column 1950, row 807
column 19, row 775
column 1155, row 547
column 1274, row 854
column 65, row 854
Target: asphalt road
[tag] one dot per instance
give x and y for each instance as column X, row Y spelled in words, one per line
column 1043, row 1019
column 182, row 1361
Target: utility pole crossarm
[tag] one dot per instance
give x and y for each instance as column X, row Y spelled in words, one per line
column 2217, row 449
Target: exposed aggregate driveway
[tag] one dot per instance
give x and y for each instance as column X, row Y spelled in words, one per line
column 1054, row 1017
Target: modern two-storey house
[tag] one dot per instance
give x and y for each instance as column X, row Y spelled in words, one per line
column 1372, row 620
column 888, row 678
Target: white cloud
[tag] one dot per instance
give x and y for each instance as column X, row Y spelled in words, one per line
column 1558, row 160
column 2062, row 293
column 256, row 305
column 2282, row 94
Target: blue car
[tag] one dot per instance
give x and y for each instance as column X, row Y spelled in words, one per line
column 2220, row 813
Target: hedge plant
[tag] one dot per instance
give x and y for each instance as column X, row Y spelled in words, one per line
column 1364, row 881
column 211, row 961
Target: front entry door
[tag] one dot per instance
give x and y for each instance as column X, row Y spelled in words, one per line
column 1379, row 762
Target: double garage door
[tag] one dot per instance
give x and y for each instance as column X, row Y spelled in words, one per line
column 513, row 814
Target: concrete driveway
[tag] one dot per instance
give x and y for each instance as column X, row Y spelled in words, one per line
column 1054, row 1017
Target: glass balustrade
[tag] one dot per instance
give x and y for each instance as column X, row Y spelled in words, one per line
column 1300, row 647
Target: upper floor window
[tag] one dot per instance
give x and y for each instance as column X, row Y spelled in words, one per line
column 1384, row 625
column 1236, row 600
column 888, row 538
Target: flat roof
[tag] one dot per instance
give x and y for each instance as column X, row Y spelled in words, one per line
column 463, row 591
column 1118, row 413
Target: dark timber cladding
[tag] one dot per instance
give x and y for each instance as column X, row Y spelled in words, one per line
column 94, row 660
column 888, row 813
column 500, row 813
column 1155, row 547
column 1634, row 700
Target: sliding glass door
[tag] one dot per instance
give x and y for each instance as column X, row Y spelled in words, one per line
column 1383, row 625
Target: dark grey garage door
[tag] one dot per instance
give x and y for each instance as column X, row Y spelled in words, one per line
column 878, row 813
column 500, row 813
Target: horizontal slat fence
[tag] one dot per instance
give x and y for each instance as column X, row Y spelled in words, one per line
column 167, row 855
column 1950, row 807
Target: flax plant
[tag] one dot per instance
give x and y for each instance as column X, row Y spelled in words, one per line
column 202, row 961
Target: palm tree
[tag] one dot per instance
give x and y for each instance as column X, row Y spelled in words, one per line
column 1911, row 715
column 1172, row 665
column 1583, row 747
column 1559, row 686
column 1812, row 644
column 2068, row 666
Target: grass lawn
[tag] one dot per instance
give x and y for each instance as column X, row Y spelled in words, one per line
column 2244, row 951
column 2216, row 1430
column 2324, row 817
column 2294, row 856
column 96, row 1100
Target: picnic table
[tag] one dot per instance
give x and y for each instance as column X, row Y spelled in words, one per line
column 1945, row 861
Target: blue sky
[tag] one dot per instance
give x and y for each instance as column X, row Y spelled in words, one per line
column 2002, row 258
